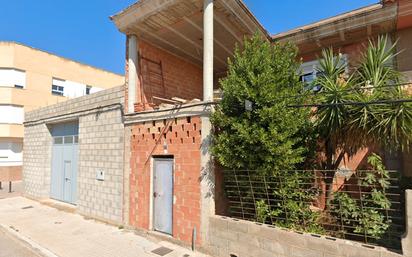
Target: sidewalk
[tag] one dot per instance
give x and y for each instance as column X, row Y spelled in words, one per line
column 70, row 235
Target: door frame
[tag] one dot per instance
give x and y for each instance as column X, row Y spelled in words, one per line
column 151, row 201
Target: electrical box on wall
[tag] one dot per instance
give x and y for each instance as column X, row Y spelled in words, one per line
column 100, row 175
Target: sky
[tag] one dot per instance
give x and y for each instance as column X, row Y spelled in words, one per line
column 81, row 29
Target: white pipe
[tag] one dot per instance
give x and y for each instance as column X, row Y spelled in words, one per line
column 132, row 78
column 208, row 50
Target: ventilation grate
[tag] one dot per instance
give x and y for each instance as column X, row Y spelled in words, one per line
column 162, row 251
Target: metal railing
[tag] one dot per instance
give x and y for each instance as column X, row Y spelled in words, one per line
column 300, row 200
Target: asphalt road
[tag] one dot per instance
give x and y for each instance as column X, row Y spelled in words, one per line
column 10, row 247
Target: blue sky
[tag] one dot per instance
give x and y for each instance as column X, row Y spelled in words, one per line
column 81, row 30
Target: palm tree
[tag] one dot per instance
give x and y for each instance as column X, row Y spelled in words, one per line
column 353, row 112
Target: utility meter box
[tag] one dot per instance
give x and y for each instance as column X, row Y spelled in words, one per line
column 100, row 175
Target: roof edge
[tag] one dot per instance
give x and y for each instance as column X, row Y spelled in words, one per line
column 338, row 17
column 59, row 56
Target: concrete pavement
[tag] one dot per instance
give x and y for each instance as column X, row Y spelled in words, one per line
column 70, row 235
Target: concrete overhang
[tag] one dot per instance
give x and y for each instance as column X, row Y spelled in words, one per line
column 177, row 26
column 342, row 29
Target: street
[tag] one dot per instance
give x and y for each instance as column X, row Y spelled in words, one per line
column 10, row 247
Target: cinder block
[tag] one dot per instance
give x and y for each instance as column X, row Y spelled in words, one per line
column 355, row 250
column 238, row 226
column 303, row 252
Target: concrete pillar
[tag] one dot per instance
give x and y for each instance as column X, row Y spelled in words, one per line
column 208, row 50
column 407, row 240
column 207, row 171
column 132, row 75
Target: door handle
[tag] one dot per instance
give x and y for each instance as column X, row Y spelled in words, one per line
column 67, row 179
column 155, row 194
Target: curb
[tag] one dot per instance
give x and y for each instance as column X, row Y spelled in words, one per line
column 27, row 241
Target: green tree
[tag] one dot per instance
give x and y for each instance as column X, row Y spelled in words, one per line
column 349, row 117
column 268, row 136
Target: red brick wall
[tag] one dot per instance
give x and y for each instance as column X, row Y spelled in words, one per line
column 181, row 78
column 183, row 137
column 10, row 173
column 353, row 51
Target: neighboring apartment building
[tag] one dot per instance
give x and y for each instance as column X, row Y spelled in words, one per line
column 349, row 34
column 29, row 79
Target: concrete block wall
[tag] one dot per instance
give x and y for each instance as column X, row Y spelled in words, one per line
column 407, row 240
column 101, row 140
column 101, row 148
column 37, row 160
column 237, row 238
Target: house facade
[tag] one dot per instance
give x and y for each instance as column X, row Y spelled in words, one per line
column 138, row 155
column 29, row 79
column 349, row 34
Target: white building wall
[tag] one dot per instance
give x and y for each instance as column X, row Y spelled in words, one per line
column 73, row 89
column 11, row 114
column 11, row 77
column 10, row 153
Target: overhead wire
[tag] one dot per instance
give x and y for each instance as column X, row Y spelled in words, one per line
column 320, row 93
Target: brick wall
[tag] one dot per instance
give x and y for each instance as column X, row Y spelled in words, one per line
column 231, row 237
column 10, row 173
column 353, row 52
column 179, row 78
column 183, row 137
column 101, row 147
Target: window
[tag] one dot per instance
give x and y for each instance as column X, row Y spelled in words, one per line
column 58, row 87
column 310, row 73
column 10, row 77
column 68, row 140
column 58, row 140
column 88, row 89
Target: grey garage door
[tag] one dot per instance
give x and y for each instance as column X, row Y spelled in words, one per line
column 64, row 162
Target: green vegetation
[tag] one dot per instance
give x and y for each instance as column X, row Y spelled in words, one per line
column 255, row 129
column 270, row 137
column 367, row 214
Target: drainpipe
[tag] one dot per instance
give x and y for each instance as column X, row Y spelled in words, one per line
column 207, row 176
column 132, row 73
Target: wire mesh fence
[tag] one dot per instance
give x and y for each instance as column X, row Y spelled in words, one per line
column 364, row 206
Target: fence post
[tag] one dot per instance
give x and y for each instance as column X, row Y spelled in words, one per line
column 407, row 239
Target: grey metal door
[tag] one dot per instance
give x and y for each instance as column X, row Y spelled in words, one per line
column 163, row 195
column 64, row 162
